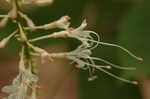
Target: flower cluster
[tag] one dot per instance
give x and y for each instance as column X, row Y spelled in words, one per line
column 81, row 56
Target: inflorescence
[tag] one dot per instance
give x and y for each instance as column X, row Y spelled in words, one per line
column 24, row 86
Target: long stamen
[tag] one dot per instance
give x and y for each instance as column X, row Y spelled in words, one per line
column 117, row 77
column 114, row 45
column 101, row 66
column 93, row 62
column 113, row 65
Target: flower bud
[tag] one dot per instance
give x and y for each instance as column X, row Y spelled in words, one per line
column 3, row 22
column 3, row 42
column 62, row 23
column 13, row 12
column 43, row 2
column 6, row 40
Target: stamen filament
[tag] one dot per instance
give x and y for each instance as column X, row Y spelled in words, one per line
column 101, row 66
column 113, row 65
column 98, row 38
column 114, row 45
column 117, row 77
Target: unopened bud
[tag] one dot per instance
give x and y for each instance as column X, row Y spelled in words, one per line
column 13, row 13
column 63, row 22
column 3, row 22
column 43, row 2
column 23, row 37
column 4, row 42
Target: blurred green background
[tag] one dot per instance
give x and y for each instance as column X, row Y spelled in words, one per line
column 123, row 22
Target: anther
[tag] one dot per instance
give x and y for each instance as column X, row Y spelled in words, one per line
column 140, row 59
column 92, row 78
column 135, row 82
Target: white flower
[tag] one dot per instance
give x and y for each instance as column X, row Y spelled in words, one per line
column 16, row 92
column 23, row 81
column 84, row 36
column 83, row 59
column 81, row 56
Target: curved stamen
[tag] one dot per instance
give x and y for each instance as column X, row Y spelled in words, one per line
column 115, row 45
column 98, row 38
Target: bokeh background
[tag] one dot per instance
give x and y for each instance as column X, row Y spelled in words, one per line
column 123, row 22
